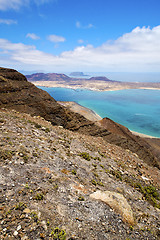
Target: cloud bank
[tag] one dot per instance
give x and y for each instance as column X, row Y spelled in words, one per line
column 138, row 50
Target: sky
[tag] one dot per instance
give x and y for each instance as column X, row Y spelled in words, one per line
column 80, row 35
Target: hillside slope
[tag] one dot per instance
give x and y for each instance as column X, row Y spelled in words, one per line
column 19, row 94
column 60, row 185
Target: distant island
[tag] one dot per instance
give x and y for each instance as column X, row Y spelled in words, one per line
column 99, row 83
column 78, row 74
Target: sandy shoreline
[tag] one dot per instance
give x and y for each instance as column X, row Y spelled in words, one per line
column 142, row 135
column 93, row 116
column 86, row 112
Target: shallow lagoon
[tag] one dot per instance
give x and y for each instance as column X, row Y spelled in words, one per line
column 137, row 109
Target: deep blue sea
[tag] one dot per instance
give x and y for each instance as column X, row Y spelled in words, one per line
column 137, row 109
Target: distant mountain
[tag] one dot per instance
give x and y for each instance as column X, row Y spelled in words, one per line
column 47, row 77
column 78, row 74
column 101, row 83
column 101, row 79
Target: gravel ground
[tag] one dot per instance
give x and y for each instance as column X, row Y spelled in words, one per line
column 48, row 173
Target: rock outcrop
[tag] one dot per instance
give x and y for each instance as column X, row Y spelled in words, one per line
column 117, row 202
column 19, row 94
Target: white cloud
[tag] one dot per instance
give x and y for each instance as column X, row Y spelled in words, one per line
column 79, row 25
column 56, row 39
column 8, row 21
column 17, row 4
column 12, row 4
column 32, row 36
column 138, row 50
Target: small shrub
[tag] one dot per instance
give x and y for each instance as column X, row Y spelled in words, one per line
column 150, row 193
column 100, row 183
column 47, row 130
column 94, row 165
column 81, row 198
column 101, row 166
column 96, row 174
column 6, row 154
column 20, row 206
column 85, row 155
column 94, row 182
column 58, row 234
column 39, row 196
column 34, row 216
column 117, row 174
column 37, row 125
column 74, row 172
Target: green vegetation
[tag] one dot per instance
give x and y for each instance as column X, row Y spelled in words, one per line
column 97, row 158
column 74, row 172
column 85, row 155
column 20, row 206
column 150, row 193
column 81, row 198
column 96, row 174
column 27, row 186
column 39, row 196
column 94, row 165
column 58, row 234
column 101, row 166
column 47, row 130
column 100, row 183
column 94, row 182
column 116, row 173
column 102, row 155
column 6, row 154
column 37, row 125
column 34, row 216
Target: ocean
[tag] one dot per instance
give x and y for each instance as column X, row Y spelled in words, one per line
column 137, row 109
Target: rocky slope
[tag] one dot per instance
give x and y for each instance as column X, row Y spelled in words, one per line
column 19, row 94
column 60, row 185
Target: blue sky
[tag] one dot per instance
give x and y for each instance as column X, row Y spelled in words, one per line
column 86, row 35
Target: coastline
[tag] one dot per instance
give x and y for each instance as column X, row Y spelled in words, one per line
column 143, row 135
column 93, row 116
column 86, row 112
column 90, row 86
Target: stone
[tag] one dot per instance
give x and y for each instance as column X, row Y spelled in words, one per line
column 117, row 202
column 15, row 233
column 19, row 227
column 26, row 210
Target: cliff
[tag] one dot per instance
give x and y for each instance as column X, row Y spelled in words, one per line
column 19, row 94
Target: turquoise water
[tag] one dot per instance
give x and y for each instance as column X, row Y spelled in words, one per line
column 137, row 109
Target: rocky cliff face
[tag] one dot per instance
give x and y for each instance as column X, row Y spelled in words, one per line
column 19, row 94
